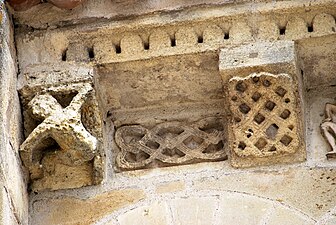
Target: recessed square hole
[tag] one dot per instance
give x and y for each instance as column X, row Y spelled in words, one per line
column 91, row 53
column 146, row 45
column 241, row 145
column 267, row 83
column 285, row 114
column 226, row 36
column 286, row 140
column 261, row 143
column 173, row 42
column 259, row 118
column 272, row 149
column 256, row 96
column 200, row 39
column 282, row 30
column 244, row 108
column 272, row 131
column 255, row 79
column 310, row 29
column 281, row 91
column 241, row 86
column 270, row 105
column 117, row 49
column 153, row 145
column 234, row 98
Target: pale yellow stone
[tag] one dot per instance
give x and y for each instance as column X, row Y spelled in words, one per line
column 154, row 214
column 324, row 24
column 310, row 191
column 131, row 44
column 170, row 187
column 285, row 216
column 73, row 210
column 268, row 30
column 331, row 221
column 193, row 211
column 296, row 28
column 242, row 209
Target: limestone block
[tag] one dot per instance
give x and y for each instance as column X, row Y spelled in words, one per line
column 317, row 56
column 266, row 114
column 104, row 50
column 63, row 148
column 284, row 216
column 213, row 35
column 247, row 210
column 148, row 83
column 131, row 44
column 170, row 143
column 309, row 190
column 193, row 210
column 154, row 214
column 296, row 28
column 186, row 37
column 324, row 24
column 81, row 211
column 159, row 39
column 170, row 187
column 268, row 30
column 240, row 32
column 77, row 52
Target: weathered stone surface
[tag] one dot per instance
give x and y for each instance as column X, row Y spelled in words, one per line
column 284, row 216
column 159, row 69
column 193, row 210
column 14, row 198
column 171, row 187
column 131, row 39
column 155, row 214
column 171, row 143
column 245, row 209
column 72, row 210
column 63, row 145
column 265, row 118
column 266, row 125
column 317, row 56
column 308, row 190
column 7, row 215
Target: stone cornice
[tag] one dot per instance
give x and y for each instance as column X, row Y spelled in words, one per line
column 189, row 32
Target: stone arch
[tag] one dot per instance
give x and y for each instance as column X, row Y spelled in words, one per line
column 215, row 208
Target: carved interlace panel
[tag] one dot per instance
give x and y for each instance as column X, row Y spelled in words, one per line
column 170, row 143
column 65, row 137
column 264, row 116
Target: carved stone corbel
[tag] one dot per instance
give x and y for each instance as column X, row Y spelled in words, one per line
column 63, row 146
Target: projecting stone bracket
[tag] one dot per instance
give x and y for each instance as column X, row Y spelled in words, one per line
column 263, row 93
column 63, row 148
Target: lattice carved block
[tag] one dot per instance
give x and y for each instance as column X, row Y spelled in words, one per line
column 170, row 143
column 265, row 126
column 64, row 137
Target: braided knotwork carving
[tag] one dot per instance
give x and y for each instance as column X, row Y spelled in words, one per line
column 264, row 113
column 170, row 143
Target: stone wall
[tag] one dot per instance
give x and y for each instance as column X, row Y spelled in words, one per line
column 14, row 197
column 178, row 113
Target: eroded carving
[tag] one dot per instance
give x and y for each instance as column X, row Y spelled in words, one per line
column 264, row 111
column 328, row 128
column 170, row 143
column 66, row 134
